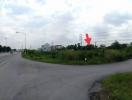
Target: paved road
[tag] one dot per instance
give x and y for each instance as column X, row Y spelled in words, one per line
column 22, row 79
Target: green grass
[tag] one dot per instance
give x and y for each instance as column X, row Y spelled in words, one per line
column 52, row 60
column 118, row 86
column 47, row 59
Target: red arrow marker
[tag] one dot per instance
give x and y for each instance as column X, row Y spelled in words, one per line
column 88, row 39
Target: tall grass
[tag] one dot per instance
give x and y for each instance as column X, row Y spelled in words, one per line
column 95, row 56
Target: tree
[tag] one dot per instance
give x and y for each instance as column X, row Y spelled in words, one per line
column 5, row 48
column 79, row 46
column 0, row 48
column 115, row 45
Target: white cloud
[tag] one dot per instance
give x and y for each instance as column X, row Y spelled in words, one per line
column 61, row 21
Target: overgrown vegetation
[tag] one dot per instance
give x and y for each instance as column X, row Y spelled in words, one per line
column 118, row 86
column 76, row 54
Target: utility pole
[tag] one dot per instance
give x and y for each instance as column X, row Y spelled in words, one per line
column 80, row 39
column 30, row 47
column 95, row 43
column 25, row 39
column 52, row 46
column 5, row 41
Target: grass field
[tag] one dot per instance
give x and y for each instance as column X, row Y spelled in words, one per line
column 77, row 57
column 118, row 86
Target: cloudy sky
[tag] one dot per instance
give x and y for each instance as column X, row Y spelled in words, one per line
column 62, row 21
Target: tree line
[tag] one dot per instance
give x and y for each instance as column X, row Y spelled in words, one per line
column 90, row 54
column 114, row 45
column 5, row 48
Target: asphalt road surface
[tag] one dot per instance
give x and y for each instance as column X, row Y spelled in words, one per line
column 22, row 79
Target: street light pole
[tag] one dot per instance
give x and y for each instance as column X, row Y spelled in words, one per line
column 5, row 41
column 24, row 39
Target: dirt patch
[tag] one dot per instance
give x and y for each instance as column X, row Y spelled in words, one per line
column 99, row 96
column 96, row 92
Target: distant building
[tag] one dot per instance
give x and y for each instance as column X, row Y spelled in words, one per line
column 57, row 47
column 46, row 47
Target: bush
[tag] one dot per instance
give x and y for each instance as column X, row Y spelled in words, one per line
column 70, row 55
column 114, row 55
column 94, row 55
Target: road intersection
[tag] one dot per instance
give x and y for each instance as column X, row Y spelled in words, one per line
column 22, row 79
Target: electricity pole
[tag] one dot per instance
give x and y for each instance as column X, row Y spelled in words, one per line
column 25, row 39
column 80, row 38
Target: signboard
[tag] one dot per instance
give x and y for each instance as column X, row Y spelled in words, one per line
column 88, row 39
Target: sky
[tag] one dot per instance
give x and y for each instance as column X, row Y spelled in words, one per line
column 62, row 21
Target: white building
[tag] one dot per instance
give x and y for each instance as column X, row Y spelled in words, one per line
column 46, row 47
column 56, row 47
